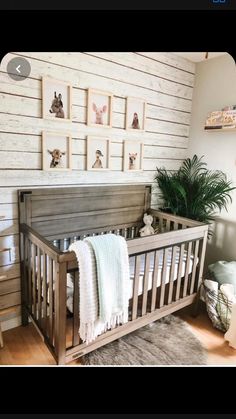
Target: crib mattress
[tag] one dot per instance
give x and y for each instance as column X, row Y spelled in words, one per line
column 141, row 276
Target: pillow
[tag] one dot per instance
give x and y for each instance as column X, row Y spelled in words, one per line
column 224, row 272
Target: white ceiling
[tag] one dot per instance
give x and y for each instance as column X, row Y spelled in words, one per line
column 199, row 56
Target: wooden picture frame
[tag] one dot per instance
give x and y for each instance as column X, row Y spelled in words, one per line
column 133, row 120
column 96, row 156
column 54, row 161
column 134, row 148
column 97, row 101
column 55, row 106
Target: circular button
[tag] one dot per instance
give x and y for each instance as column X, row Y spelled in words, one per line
column 18, row 68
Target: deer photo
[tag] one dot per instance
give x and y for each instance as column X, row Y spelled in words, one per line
column 132, row 161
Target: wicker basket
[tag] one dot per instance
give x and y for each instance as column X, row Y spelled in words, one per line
column 219, row 308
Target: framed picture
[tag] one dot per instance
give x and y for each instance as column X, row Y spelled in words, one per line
column 56, row 99
column 56, row 151
column 99, row 110
column 133, row 156
column 135, row 114
column 98, row 153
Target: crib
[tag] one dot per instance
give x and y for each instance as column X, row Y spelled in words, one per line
column 166, row 268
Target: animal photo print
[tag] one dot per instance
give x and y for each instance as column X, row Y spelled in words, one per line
column 99, row 109
column 56, row 100
column 135, row 114
column 133, row 155
column 97, row 153
column 56, row 152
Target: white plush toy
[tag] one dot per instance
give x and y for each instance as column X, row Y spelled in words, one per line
column 147, row 230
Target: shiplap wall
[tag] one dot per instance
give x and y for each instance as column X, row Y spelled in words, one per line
column 164, row 80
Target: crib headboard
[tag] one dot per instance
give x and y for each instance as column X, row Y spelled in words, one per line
column 55, row 212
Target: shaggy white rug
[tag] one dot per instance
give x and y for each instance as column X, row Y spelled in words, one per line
column 168, row 341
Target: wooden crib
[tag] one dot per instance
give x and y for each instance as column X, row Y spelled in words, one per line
column 51, row 219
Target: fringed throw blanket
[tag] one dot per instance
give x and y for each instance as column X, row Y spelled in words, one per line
column 103, row 281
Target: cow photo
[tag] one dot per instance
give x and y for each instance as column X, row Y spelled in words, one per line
column 56, row 151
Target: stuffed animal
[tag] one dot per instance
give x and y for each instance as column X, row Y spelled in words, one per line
column 147, row 230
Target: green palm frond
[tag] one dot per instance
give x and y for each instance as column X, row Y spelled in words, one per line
column 194, row 191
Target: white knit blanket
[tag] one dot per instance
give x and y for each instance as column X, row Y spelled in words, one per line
column 90, row 326
column 103, row 283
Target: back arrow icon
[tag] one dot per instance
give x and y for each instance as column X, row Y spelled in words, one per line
column 17, row 69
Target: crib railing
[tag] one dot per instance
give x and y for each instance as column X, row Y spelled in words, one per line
column 44, row 278
column 43, row 287
column 169, row 222
column 129, row 231
column 178, row 283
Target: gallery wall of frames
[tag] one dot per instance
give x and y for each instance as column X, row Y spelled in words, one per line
column 86, row 118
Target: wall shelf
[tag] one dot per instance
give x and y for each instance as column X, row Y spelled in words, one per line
column 233, row 129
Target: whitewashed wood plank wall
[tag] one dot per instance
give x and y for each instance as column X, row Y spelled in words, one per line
column 164, row 80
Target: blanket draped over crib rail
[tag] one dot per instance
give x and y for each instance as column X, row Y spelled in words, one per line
column 103, row 280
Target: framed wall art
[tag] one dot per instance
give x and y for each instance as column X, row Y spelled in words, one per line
column 135, row 114
column 99, row 108
column 133, row 156
column 56, row 99
column 98, row 153
column 56, row 151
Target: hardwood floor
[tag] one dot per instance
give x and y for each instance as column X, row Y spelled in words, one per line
column 23, row 345
column 218, row 350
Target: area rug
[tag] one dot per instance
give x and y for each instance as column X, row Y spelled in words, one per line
column 168, row 341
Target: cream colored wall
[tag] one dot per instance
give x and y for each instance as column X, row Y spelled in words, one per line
column 164, row 80
column 215, row 87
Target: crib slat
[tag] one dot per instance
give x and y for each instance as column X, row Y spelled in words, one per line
column 137, row 234
column 39, row 283
column 154, row 281
column 175, row 225
column 135, row 287
column 76, row 311
column 45, row 290
column 30, row 275
column 26, row 250
column 194, row 266
column 181, row 255
column 50, row 279
column 123, row 232
column 187, row 264
column 160, row 224
column 163, row 277
column 34, row 279
column 172, row 273
column 145, row 283
column 167, row 225
column 202, row 251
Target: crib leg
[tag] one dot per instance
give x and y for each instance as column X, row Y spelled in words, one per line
column 196, row 305
column 24, row 316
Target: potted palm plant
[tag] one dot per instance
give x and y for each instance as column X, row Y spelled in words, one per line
column 194, row 191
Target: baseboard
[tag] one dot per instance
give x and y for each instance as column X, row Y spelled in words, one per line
column 11, row 323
